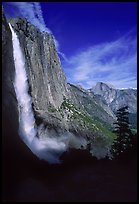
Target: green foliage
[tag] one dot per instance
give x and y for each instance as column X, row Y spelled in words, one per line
column 96, row 127
column 134, row 131
column 123, row 141
column 52, row 109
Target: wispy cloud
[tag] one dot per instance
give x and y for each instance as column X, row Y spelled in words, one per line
column 33, row 13
column 30, row 10
column 114, row 62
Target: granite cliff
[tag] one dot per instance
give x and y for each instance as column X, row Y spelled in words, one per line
column 59, row 106
column 81, row 116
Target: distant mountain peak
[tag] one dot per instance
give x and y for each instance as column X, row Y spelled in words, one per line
column 100, row 84
column 114, row 97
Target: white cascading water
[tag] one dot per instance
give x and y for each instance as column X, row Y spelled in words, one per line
column 49, row 149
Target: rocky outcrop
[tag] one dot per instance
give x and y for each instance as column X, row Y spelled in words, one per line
column 104, row 90
column 93, row 105
column 125, row 97
column 116, row 98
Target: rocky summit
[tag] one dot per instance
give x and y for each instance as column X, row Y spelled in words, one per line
column 116, row 98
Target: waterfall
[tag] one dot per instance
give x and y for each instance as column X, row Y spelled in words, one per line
column 26, row 119
column 49, row 148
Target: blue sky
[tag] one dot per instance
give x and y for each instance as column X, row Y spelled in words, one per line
column 96, row 41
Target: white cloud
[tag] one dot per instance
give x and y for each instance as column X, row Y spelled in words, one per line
column 33, row 13
column 113, row 62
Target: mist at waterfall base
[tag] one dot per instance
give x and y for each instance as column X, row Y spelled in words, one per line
column 48, row 149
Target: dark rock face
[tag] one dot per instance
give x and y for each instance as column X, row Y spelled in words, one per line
column 116, row 98
column 9, row 102
column 10, row 136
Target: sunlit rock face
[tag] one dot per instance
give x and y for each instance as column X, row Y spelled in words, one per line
column 105, row 90
column 46, row 78
column 59, row 110
column 49, row 148
column 125, row 97
column 116, row 98
column 61, row 119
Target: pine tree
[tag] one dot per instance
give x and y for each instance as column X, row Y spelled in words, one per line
column 124, row 136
